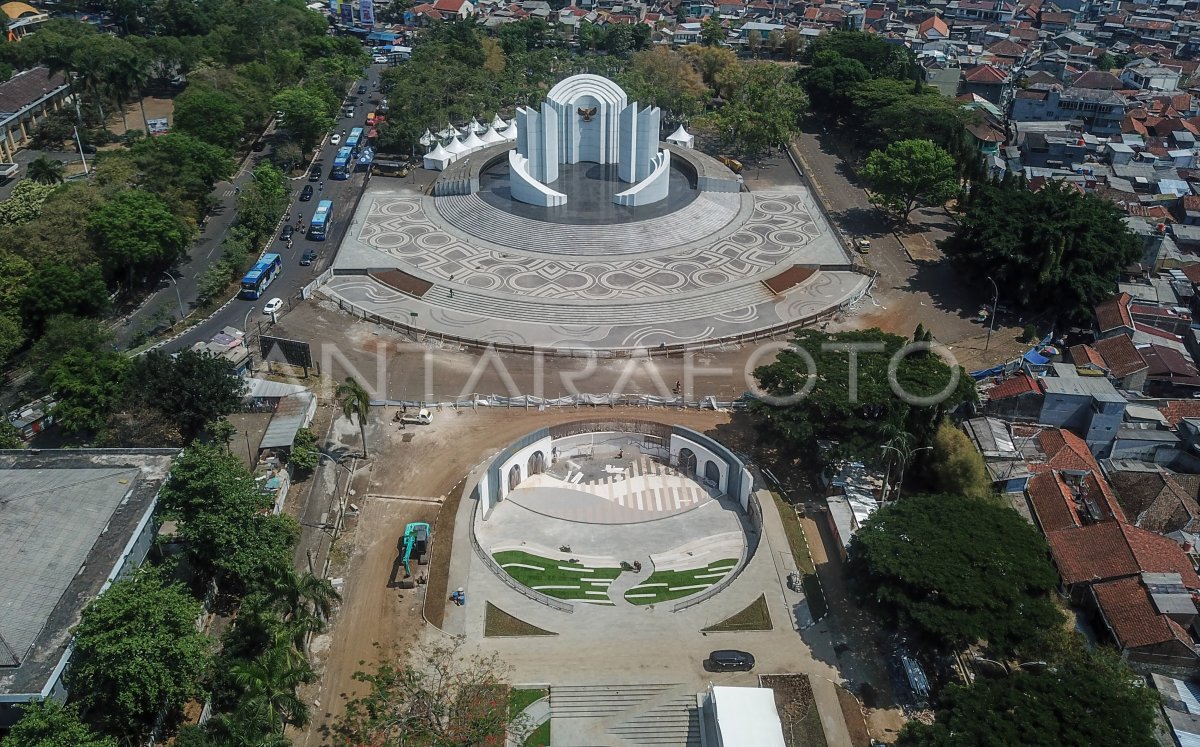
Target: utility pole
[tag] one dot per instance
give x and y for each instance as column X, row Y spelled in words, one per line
column 178, row 298
column 992, row 318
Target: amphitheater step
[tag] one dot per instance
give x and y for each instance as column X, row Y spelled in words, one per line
column 598, row 701
column 675, row 722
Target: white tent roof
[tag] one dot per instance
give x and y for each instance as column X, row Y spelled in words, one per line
column 472, row 142
column 490, row 137
column 510, row 132
column 427, row 138
column 681, row 136
column 474, row 126
column 438, row 158
column 498, row 124
column 437, row 152
column 746, row 717
column 455, row 147
column 450, row 131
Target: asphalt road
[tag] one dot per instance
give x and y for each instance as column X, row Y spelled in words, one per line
column 242, row 313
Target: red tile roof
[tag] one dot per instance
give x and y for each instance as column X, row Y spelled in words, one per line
column 1121, row 356
column 1113, row 549
column 1084, row 355
column 985, row 74
column 1114, row 313
column 1052, row 502
column 933, row 23
column 1065, row 450
column 1015, row 386
column 1177, row 409
column 1132, row 616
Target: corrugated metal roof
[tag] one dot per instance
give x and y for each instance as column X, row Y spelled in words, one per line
column 288, row 418
column 271, row 389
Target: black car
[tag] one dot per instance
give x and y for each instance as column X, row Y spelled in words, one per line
column 287, row 233
column 362, row 90
column 259, row 146
column 729, row 660
column 308, row 258
column 306, row 193
column 315, row 174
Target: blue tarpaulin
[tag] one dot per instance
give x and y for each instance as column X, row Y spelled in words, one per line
column 1036, row 358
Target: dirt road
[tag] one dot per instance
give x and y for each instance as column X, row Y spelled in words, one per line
column 410, row 472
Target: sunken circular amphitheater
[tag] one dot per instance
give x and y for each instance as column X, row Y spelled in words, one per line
column 686, row 257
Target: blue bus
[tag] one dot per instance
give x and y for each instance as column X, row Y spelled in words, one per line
column 355, row 140
column 322, row 221
column 343, row 164
column 260, row 276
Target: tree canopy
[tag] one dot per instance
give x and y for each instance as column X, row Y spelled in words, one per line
column 762, row 107
column 874, row 413
column 189, row 389
column 136, row 229
column 959, row 570
column 1088, row 699
column 957, row 466
column 136, row 650
column 48, row 724
column 1052, row 250
column 910, row 174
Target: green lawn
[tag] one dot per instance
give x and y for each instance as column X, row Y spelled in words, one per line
column 754, row 617
column 572, row 581
column 540, row 737
column 521, row 698
column 663, row 586
column 792, row 527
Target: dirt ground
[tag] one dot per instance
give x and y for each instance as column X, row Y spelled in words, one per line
column 156, row 108
column 410, row 474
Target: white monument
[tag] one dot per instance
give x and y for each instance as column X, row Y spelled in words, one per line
column 588, row 118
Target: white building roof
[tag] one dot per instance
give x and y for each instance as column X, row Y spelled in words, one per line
column 746, row 717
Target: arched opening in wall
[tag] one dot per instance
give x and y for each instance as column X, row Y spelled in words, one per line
column 712, row 473
column 514, row 477
column 687, row 461
column 537, row 464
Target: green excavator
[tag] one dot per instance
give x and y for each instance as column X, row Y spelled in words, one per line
column 414, row 543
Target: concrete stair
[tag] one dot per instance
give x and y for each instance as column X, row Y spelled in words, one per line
column 674, row 722
column 600, row 701
column 701, row 218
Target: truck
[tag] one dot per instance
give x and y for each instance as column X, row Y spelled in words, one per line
column 424, row 417
column 414, row 543
column 8, row 171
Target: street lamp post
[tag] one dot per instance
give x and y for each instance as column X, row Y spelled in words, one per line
column 178, row 298
column 992, row 318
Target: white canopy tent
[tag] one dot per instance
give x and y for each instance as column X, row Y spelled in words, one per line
column 498, row 124
column 474, row 127
column 438, row 158
column 455, row 148
column 427, row 138
column 491, row 137
column 449, row 132
column 472, row 142
column 682, row 138
column 510, row 132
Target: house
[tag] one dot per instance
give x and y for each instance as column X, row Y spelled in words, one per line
column 1148, row 617
column 1180, row 702
column 933, row 29
column 453, row 9
column 1110, row 550
column 84, row 520
column 1101, row 112
column 1065, row 499
column 941, row 73
column 1116, row 357
column 1089, row 405
column 1019, row 396
column 986, row 81
column 1004, row 461
column 1159, row 500
column 26, row 100
column 1169, row 373
column 1146, row 74
column 852, row 492
column 1113, row 317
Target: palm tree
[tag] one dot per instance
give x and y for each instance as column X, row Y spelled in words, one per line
column 45, row 170
column 355, row 401
column 305, row 601
column 270, row 683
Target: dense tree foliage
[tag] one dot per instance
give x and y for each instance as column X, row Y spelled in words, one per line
column 881, row 58
column 1055, row 250
column 860, row 412
column 666, row 79
column 1087, row 699
column 137, row 650
column 48, row 724
column 960, row 571
column 909, row 174
column 189, row 388
column 136, row 230
column 956, row 465
column 762, row 107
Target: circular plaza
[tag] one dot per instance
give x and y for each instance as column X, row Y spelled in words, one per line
column 615, row 514
column 575, row 229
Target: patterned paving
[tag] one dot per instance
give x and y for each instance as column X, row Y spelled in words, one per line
column 685, row 278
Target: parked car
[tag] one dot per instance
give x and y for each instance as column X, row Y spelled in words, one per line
column 308, row 258
column 259, row 145
column 362, row 89
column 729, row 660
column 279, row 115
column 315, row 174
column 273, row 306
column 862, row 245
column 286, row 235
column 349, row 112
column 381, row 59
column 306, row 193
column 335, row 138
